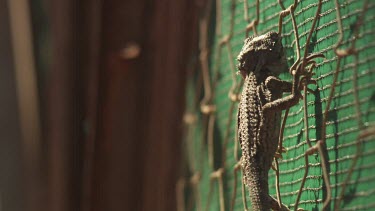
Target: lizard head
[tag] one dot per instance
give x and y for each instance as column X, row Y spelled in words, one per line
column 262, row 53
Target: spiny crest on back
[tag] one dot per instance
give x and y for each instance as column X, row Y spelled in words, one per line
column 256, row 46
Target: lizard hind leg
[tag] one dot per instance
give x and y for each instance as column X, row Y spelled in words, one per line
column 279, row 151
column 275, row 205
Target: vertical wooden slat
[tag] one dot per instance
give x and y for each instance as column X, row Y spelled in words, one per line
column 27, row 94
column 63, row 125
column 116, row 92
column 90, row 46
column 173, row 41
column 11, row 151
column 121, row 112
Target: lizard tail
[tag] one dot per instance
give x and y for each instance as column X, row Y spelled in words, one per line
column 257, row 184
column 258, row 188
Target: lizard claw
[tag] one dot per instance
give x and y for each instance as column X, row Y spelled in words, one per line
column 306, row 72
column 282, row 149
column 279, row 152
column 306, row 80
column 309, row 62
column 278, row 155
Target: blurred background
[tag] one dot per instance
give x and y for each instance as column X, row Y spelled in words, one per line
column 91, row 97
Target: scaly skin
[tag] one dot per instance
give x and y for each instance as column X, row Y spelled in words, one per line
column 259, row 117
column 258, row 134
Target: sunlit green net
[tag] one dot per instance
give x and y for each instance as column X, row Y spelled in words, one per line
column 209, row 143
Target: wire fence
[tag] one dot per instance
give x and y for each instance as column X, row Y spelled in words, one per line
column 329, row 135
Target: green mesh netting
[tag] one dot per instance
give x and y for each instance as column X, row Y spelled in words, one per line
column 210, row 147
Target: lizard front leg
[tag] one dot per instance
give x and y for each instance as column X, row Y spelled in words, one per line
column 285, row 102
column 273, row 83
column 295, row 87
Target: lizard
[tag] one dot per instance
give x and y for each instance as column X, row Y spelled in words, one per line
column 261, row 60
